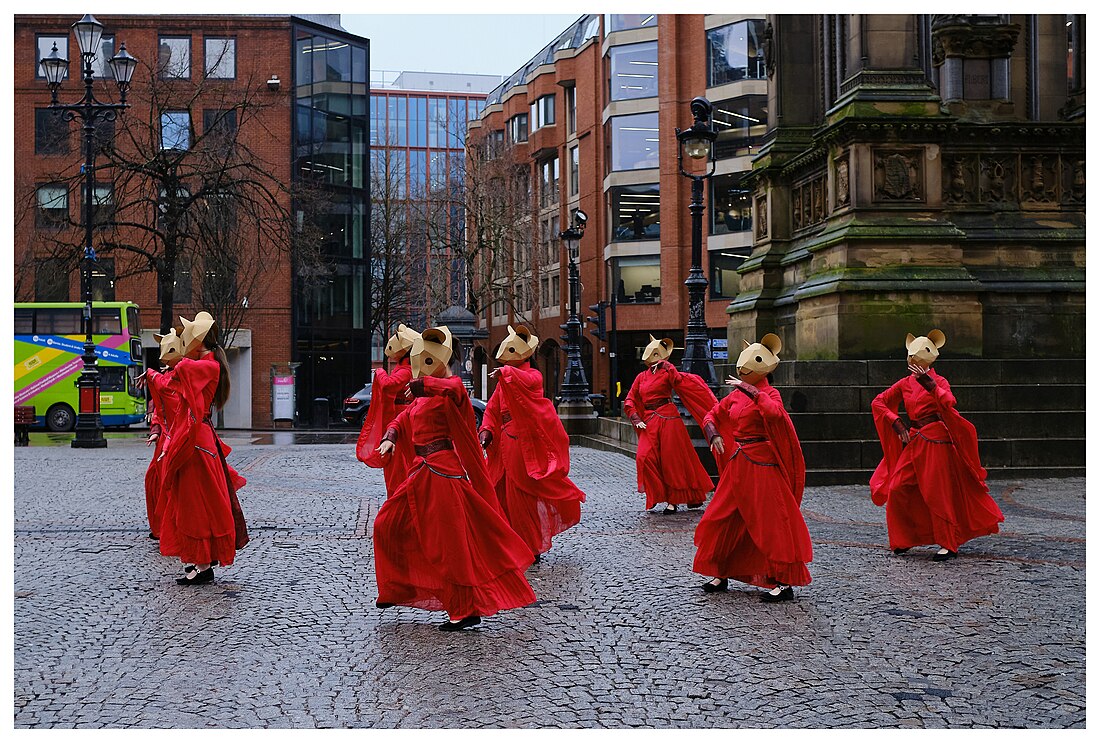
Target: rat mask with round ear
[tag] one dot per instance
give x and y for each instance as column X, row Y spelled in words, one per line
column 925, row 350
column 758, row 360
column 171, row 347
column 518, row 345
column 401, row 342
column 431, row 353
column 657, row 350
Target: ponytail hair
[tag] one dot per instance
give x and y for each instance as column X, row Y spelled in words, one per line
column 211, row 342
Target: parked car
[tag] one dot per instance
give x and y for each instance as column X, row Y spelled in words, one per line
column 355, row 407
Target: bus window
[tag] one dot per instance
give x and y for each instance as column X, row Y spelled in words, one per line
column 112, row 378
column 133, row 321
column 132, row 373
column 24, row 321
column 58, row 321
column 106, row 321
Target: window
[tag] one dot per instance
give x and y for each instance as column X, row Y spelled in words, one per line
column 629, row 20
column 495, row 143
column 103, row 280
column 100, row 68
column 741, row 123
column 542, row 112
column 555, row 289
column 735, row 52
column 106, row 321
column 637, row 278
column 45, row 47
column 24, row 317
column 633, row 71
column 53, row 205
column 377, row 119
column 181, row 283
column 437, row 122
column 103, row 204
column 181, row 195
column 636, row 212
column 51, row 281
column 398, row 115
column 174, row 57
column 730, row 204
column 456, row 134
column 51, row 133
column 574, row 171
column 517, row 128
column 58, row 321
column 220, row 58
column 571, row 109
column 418, row 121
column 551, row 243
column 219, row 127
column 103, row 136
column 724, row 280
column 634, row 142
column 548, row 192
column 175, row 130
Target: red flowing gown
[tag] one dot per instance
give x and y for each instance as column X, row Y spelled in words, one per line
column 934, row 487
column 387, row 399
column 753, row 530
column 669, row 470
column 529, row 458
column 165, row 406
column 202, row 522
column 440, row 541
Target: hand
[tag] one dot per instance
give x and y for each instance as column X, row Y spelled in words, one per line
column 732, row 381
column 152, row 439
column 385, row 448
column 640, row 425
column 493, row 373
column 485, row 438
column 409, row 392
column 718, row 446
column 922, row 377
column 917, row 369
column 140, row 381
column 901, row 431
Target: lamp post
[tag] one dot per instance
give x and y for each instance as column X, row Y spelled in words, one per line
column 89, row 32
column 575, row 408
column 698, row 142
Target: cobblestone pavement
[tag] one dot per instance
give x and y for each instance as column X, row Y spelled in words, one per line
column 621, row 635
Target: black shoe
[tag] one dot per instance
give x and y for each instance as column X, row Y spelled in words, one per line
column 900, row 550
column 206, row 576
column 695, row 505
column 461, row 624
column 154, row 536
column 712, row 587
column 787, row 594
column 384, row 604
column 191, row 568
column 941, row 556
column 668, row 510
column 538, row 558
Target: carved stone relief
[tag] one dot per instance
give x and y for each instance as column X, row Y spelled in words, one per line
column 842, row 187
column 899, row 176
column 1040, row 182
column 762, row 216
column 1075, row 170
column 958, row 180
column 997, row 179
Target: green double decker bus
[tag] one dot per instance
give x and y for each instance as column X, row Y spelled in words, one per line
column 49, row 341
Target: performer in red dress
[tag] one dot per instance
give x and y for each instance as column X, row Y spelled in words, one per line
column 528, row 448
column 440, row 541
column 669, row 470
column 202, row 521
column 387, row 399
column 930, row 478
column 164, row 408
column 753, row 530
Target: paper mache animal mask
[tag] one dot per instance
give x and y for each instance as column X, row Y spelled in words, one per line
column 171, row 346
column 431, row 352
column 195, row 331
column 926, row 349
column 518, row 345
column 400, row 342
column 758, row 360
column 657, row 350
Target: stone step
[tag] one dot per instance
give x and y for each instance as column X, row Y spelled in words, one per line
column 983, row 397
column 863, row 476
column 865, row 454
column 884, row 372
column 990, row 425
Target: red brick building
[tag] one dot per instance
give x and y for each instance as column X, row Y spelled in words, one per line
column 593, row 118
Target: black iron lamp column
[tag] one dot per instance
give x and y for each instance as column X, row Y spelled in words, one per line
column 698, row 142
column 575, row 408
column 89, row 33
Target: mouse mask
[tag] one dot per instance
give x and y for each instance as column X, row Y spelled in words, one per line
column 657, row 350
column 401, row 342
column 171, row 347
column 431, row 352
column 195, row 331
column 925, row 350
column 519, row 345
column 758, row 360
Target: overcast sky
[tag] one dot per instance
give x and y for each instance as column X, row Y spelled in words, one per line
column 481, row 44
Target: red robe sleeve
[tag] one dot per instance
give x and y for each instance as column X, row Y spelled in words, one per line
column 962, row 432
column 543, row 440
column 783, row 439
column 382, row 411
column 693, row 392
column 632, row 405
column 491, row 421
column 884, row 408
column 719, row 417
column 189, row 378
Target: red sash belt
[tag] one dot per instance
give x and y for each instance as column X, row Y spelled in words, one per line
column 433, row 446
column 922, row 422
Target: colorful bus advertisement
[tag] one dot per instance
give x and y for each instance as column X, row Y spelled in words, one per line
column 49, row 342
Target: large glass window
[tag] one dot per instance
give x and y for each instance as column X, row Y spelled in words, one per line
column 103, row 280
column 418, row 121
column 220, row 58
column 377, row 119
column 45, row 48
column 571, row 108
column 51, row 281
column 100, row 69
column 542, row 112
column 398, row 114
column 548, row 192
column 219, row 127
column 175, row 130
column 741, row 123
column 735, row 52
column 181, row 283
column 574, row 171
column 637, row 278
column 51, row 133
column 621, row 22
column 456, row 134
column 634, row 142
column 53, row 205
column 633, row 71
column 437, row 122
column 517, row 128
column 103, row 204
column 636, row 212
column 724, row 280
column 174, row 57
column 730, row 204
column 418, row 173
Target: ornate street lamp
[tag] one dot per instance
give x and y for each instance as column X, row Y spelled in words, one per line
column 698, row 142
column 89, row 32
column 575, row 408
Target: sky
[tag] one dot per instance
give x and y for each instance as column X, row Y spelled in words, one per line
column 475, row 44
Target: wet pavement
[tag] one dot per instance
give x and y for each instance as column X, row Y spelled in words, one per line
column 621, row 635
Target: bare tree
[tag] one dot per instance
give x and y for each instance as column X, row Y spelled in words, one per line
column 395, row 244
